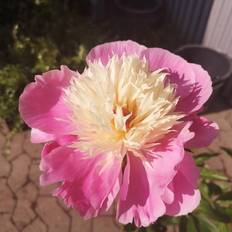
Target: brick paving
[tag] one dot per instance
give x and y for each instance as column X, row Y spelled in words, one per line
column 24, row 205
column 27, row 207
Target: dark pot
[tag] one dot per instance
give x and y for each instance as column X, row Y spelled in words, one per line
column 217, row 64
column 138, row 6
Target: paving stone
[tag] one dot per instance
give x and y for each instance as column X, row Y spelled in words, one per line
column 215, row 163
column 110, row 212
column 47, row 190
column 215, row 145
column 63, row 205
column 28, row 192
column 219, row 117
column 20, row 168
column 16, row 146
column 225, row 139
column 23, row 214
column 4, row 166
column 7, row 201
column 224, row 125
column 79, row 224
column 34, row 172
column 228, row 117
column 6, row 224
column 52, row 214
column 32, row 149
column 104, row 224
column 36, row 226
column 227, row 161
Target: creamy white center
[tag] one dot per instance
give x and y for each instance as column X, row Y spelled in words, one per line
column 121, row 107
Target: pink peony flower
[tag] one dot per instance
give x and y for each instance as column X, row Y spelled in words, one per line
column 118, row 131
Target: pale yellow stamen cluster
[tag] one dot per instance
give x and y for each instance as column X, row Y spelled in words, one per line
column 121, row 107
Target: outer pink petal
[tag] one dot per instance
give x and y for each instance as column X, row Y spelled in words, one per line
column 168, row 196
column 193, row 83
column 180, row 71
column 75, row 198
column 142, row 193
column 57, row 163
column 89, row 183
column 200, row 94
column 184, row 187
column 180, row 131
column 105, row 51
column 41, row 105
column 38, row 136
column 142, row 203
column 205, row 131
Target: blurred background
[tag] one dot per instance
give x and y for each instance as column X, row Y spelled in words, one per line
column 39, row 35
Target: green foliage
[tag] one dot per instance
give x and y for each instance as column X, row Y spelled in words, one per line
column 38, row 36
column 201, row 158
column 12, row 81
column 214, row 213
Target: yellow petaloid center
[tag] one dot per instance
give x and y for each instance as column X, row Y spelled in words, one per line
column 121, row 107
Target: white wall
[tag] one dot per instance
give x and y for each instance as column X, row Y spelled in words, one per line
column 218, row 34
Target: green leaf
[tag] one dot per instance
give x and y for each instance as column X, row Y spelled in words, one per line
column 191, row 224
column 224, row 213
column 214, row 211
column 129, row 227
column 213, row 175
column 225, row 186
column 168, row 220
column 214, row 189
column 201, row 158
column 222, row 227
column 183, row 224
column 205, row 225
column 225, row 196
column 204, row 189
column 204, row 208
column 147, row 229
column 158, row 227
column 227, row 150
column 225, row 199
column 143, row 229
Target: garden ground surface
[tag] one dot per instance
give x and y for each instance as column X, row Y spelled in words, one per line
column 26, row 206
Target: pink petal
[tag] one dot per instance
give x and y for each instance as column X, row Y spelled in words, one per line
column 105, row 51
column 168, row 154
column 140, row 204
column 89, row 183
column 184, row 187
column 168, row 196
column 57, row 163
column 180, row 71
column 74, row 197
column 141, row 196
column 200, row 94
column 205, row 131
column 41, row 105
column 193, row 83
column 111, row 197
column 180, row 131
column 101, row 180
column 38, row 136
column 66, row 139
